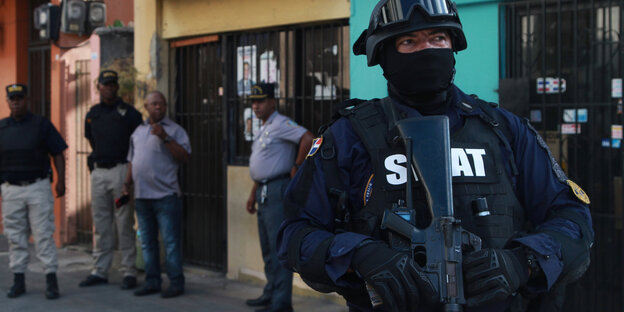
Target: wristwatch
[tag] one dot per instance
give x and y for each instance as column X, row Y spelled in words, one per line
column 167, row 139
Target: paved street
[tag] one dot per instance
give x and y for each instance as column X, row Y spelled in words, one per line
column 205, row 290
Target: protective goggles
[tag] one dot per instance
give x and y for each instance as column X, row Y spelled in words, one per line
column 396, row 11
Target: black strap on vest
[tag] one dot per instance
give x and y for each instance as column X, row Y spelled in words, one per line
column 491, row 116
column 371, row 120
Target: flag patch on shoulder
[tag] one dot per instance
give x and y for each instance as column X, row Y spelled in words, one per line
column 316, row 145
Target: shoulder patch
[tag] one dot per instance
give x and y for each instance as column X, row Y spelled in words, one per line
column 292, row 123
column 578, row 192
column 316, row 145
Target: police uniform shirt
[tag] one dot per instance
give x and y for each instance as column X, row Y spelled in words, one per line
column 50, row 140
column 537, row 188
column 274, row 148
column 108, row 128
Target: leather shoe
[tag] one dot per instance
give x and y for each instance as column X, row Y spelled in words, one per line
column 259, row 302
column 147, row 290
column 277, row 309
column 93, row 280
column 129, row 282
column 172, row 292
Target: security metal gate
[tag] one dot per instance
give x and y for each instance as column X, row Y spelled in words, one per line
column 84, row 219
column 559, row 60
column 199, row 110
column 310, row 66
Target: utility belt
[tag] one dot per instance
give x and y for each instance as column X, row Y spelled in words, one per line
column 25, row 182
column 107, row 165
column 264, row 183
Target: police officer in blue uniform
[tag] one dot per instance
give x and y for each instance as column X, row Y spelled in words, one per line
column 108, row 126
column 26, row 143
column 536, row 229
column 278, row 148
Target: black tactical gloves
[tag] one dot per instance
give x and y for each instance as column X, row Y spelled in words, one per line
column 395, row 277
column 492, row 275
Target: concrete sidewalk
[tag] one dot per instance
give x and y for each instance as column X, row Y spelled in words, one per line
column 205, row 290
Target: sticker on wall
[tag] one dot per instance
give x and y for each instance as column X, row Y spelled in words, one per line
column 570, row 128
column 606, row 142
column 616, row 131
column 550, row 85
column 616, row 88
column 536, row 115
column 569, row 115
column 615, row 143
column 581, row 115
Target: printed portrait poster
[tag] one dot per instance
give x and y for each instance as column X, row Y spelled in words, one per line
column 246, row 69
column 252, row 124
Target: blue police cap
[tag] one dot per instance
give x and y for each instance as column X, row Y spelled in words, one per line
column 262, row 91
column 16, row 89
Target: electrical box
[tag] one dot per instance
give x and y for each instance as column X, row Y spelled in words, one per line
column 47, row 21
column 74, row 16
column 96, row 15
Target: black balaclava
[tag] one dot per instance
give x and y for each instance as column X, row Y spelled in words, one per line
column 419, row 79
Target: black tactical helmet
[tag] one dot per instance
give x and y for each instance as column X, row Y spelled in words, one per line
column 394, row 17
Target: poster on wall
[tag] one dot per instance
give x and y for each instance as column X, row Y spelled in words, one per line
column 252, row 124
column 246, row 68
column 268, row 70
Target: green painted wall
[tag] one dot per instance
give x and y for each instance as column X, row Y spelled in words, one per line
column 477, row 66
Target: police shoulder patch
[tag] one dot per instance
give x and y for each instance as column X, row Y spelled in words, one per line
column 316, row 145
column 292, row 123
column 578, row 192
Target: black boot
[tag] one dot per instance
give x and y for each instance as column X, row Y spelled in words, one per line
column 19, row 286
column 52, row 291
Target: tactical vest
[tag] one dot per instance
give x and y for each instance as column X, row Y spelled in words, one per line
column 22, row 148
column 480, row 175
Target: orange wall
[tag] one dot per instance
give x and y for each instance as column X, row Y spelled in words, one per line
column 13, row 38
column 122, row 10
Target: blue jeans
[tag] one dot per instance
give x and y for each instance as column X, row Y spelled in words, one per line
column 164, row 214
column 270, row 216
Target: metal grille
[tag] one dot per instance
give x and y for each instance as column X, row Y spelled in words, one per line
column 38, row 67
column 308, row 64
column 39, row 80
column 84, row 220
column 199, row 110
column 579, row 41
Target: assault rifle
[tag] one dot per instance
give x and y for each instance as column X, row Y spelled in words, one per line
column 437, row 247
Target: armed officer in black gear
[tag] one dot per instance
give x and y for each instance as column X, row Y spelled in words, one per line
column 108, row 127
column 27, row 141
column 533, row 222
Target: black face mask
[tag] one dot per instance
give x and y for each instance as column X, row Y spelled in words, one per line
column 419, row 75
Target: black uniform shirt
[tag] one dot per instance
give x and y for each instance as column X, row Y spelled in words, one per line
column 51, row 141
column 108, row 129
